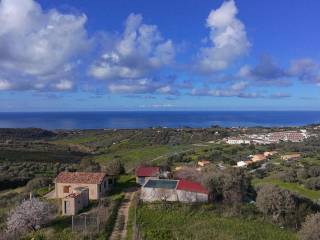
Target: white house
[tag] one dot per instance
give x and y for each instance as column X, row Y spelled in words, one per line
column 241, row 164
column 173, row 191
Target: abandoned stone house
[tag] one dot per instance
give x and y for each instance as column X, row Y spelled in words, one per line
column 75, row 201
column 174, row 190
column 97, row 183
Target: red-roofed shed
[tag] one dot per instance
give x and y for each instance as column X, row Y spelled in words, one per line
column 145, row 173
column 189, row 191
column 191, row 186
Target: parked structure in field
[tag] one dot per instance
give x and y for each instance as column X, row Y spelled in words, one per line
column 98, row 183
column 173, row 191
column 76, row 201
column 143, row 174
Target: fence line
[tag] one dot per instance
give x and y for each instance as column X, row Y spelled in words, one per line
column 90, row 224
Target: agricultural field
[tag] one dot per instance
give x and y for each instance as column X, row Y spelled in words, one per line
column 161, row 221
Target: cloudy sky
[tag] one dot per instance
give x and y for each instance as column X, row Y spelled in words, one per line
column 73, row 55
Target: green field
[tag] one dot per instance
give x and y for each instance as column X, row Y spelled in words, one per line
column 132, row 156
column 159, row 222
column 293, row 187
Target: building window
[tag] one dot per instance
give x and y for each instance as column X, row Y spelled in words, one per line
column 66, row 189
column 105, row 184
column 100, row 187
column 65, row 207
column 110, row 181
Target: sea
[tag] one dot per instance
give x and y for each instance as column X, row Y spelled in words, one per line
column 147, row 119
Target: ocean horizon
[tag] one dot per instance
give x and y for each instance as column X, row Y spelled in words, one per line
column 147, row 119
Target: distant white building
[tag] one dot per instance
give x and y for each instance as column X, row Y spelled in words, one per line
column 236, row 141
column 241, row 164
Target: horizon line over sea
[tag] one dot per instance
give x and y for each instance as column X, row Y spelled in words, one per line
column 147, row 119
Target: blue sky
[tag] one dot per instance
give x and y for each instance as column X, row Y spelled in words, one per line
column 84, row 55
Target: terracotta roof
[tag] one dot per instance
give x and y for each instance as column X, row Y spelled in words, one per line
column 80, row 177
column 147, row 171
column 191, row 186
column 258, row 157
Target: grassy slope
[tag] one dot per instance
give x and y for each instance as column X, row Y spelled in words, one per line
column 294, row 187
column 132, row 156
column 182, row 222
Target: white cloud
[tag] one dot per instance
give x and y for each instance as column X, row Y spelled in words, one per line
column 239, row 86
column 4, row 84
column 143, row 86
column 228, row 39
column 64, row 85
column 37, row 47
column 139, row 51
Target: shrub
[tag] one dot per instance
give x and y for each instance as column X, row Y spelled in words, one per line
column 288, row 176
column 313, row 183
column 37, row 182
column 115, row 167
column 278, row 203
column 311, row 228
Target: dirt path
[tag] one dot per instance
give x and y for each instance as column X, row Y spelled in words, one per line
column 120, row 229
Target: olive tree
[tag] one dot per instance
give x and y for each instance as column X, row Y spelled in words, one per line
column 115, row 167
column 278, row 203
column 230, row 185
column 310, row 229
column 30, row 215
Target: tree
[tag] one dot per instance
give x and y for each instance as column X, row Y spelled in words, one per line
column 235, row 186
column 313, row 183
column 213, row 181
column 188, row 173
column 30, row 215
column 115, row 167
column 276, row 202
column 37, row 182
column 88, row 165
column 310, row 228
column 230, row 185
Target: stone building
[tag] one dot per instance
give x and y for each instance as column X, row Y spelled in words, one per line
column 98, row 183
column 75, row 201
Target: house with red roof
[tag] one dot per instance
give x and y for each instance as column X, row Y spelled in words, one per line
column 144, row 173
column 98, row 183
